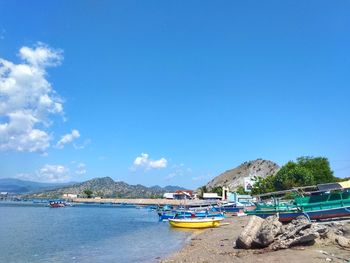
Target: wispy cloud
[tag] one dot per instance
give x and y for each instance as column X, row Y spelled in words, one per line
column 83, row 145
column 81, row 169
column 27, row 100
column 68, row 138
column 143, row 161
column 178, row 170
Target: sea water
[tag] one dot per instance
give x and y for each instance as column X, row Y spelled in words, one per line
column 85, row 234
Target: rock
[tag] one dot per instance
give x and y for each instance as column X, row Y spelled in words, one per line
column 305, row 238
column 298, row 232
column 269, row 229
column 245, row 239
column 322, row 230
column 343, row 241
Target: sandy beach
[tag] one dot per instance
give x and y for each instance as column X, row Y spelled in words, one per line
column 217, row 245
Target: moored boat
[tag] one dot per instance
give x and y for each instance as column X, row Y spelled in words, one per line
column 195, row 223
column 56, row 204
column 329, row 201
column 187, row 214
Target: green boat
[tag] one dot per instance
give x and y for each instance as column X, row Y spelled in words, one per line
column 327, row 201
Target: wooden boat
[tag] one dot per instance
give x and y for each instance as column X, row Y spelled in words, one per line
column 163, row 216
column 329, row 201
column 195, row 223
column 56, row 204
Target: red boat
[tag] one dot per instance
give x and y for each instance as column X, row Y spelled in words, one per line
column 56, row 204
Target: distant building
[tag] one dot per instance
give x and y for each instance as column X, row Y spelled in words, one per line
column 168, row 195
column 183, row 195
column 211, row 196
column 70, row 196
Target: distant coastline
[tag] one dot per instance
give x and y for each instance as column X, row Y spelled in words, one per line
column 138, row 201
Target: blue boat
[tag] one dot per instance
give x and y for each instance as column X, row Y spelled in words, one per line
column 186, row 214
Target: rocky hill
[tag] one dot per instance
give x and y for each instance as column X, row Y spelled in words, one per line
column 235, row 177
column 106, row 187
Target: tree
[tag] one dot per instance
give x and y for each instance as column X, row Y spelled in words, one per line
column 305, row 171
column 240, row 190
column 292, row 175
column 217, row 189
column 263, row 185
column 319, row 168
column 88, row 193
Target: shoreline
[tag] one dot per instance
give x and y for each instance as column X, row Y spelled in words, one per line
column 217, row 245
column 140, row 201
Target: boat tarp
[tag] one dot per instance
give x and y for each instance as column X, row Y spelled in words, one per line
column 334, row 186
column 329, row 187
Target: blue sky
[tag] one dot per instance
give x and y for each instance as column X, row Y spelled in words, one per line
column 171, row 92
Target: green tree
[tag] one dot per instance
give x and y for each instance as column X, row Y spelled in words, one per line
column 240, row 190
column 88, row 193
column 292, row 175
column 263, row 185
column 319, row 168
column 217, row 189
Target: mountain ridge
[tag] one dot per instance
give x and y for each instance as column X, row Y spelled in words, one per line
column 106, row 187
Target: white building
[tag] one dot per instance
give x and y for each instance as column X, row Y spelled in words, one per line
column 211, row 196
column 70, row 196
column 168, row 195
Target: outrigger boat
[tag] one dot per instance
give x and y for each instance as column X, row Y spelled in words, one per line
column 163, row 216
column 234, row 207
column 328, row 201
column 195, row 223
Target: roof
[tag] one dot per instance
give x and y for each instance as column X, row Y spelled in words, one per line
column 345, row 184
column 211, row 195
column 184, row 191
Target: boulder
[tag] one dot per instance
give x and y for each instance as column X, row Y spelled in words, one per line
column 336, row 238
column 245, row 239
column 269, row 229
column 298, row 232
column 343, row 241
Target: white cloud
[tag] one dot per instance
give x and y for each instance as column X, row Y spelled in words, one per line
column 48, row 174
column 67, row 138
column 27, row 100
column 83, row 145
column 81, row 169
column 145, row 162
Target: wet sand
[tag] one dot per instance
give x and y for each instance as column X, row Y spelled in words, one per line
column 217, row 245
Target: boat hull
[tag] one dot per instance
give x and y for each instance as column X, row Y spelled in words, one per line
column 195, row 223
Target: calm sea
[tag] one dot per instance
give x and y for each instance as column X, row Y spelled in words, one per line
column 85, row 234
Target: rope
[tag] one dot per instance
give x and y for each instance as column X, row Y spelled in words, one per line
column 307, row 216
